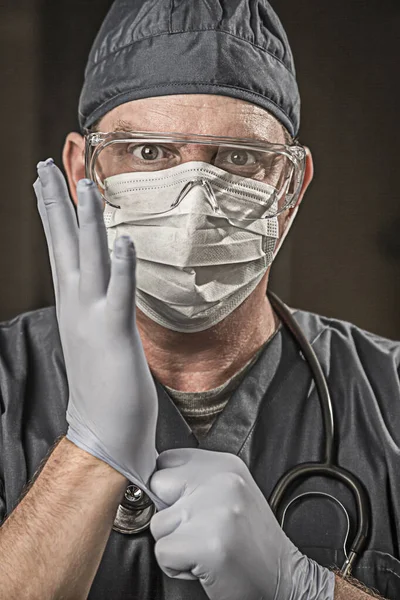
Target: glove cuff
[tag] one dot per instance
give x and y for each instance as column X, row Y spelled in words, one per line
column 305, row 580
column 96, row 450
column 311, row 581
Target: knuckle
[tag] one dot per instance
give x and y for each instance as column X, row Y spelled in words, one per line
column 157, row 486
column 185, row 515
column 238, row 465
column 231, row 463
column 208, row 579
column 234, row 481
column 230, row 512
column 237, row 510
column 232, row 460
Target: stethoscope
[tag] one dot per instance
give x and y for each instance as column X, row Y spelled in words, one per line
column 136, row 510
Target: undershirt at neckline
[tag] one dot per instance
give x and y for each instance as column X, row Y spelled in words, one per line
column 200, row 409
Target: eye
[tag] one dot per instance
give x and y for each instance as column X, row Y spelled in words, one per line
column 238, row 160
column 241, row 158
column 147, row 152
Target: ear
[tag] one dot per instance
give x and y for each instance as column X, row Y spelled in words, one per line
column 308, row 177
column 74, row 161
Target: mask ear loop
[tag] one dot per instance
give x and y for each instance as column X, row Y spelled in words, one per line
column 286, row 232
column 293, row 201
column 291, row 221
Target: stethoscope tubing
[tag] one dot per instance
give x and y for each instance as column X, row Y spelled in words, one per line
column 327, row 468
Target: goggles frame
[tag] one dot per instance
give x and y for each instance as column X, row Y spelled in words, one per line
column 95, row 142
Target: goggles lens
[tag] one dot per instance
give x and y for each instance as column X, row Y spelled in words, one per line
column 117, row 154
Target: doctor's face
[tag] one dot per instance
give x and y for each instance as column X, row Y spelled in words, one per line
column 203, row 114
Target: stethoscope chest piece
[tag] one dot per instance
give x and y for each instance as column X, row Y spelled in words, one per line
column 134, row 513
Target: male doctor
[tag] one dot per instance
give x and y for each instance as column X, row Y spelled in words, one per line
column 154, row 410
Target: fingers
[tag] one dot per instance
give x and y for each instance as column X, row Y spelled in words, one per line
column 170, row 481
column 61, row 220
column 174, row 556
column 167, row 521
column 121, row 290
column 175, row 458
column 84, row 250
column 168, row 485
column 94, row 259
column 45, row 222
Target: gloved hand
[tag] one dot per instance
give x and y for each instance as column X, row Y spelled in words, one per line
column 113, row 406
column 220, row 529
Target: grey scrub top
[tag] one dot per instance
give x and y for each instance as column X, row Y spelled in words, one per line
column 272, row 421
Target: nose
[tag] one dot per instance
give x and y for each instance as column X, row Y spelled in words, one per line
column 198, row 152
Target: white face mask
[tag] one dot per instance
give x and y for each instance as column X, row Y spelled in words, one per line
column 199, row 260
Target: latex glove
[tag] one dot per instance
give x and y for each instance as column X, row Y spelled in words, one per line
column 113, row 405
column 221, row 530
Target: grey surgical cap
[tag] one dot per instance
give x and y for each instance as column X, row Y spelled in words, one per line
column 235, row 48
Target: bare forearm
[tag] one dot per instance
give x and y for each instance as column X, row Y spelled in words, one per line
column 353, row 590
column 52, row 544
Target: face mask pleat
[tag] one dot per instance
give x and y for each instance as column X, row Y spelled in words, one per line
column 195, row 265
column 154, row 193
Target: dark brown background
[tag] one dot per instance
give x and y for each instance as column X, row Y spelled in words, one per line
column 342, row 257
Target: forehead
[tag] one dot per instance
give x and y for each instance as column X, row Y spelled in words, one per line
column 203, row 114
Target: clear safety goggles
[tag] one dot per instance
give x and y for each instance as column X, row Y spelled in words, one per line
column 281, row 167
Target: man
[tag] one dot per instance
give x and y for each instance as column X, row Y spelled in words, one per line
column 233, row 404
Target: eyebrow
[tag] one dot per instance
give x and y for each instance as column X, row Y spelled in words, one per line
column 122, row 125
column 126, row 127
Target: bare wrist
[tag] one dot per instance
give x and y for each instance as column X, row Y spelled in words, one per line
column 90, row 462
